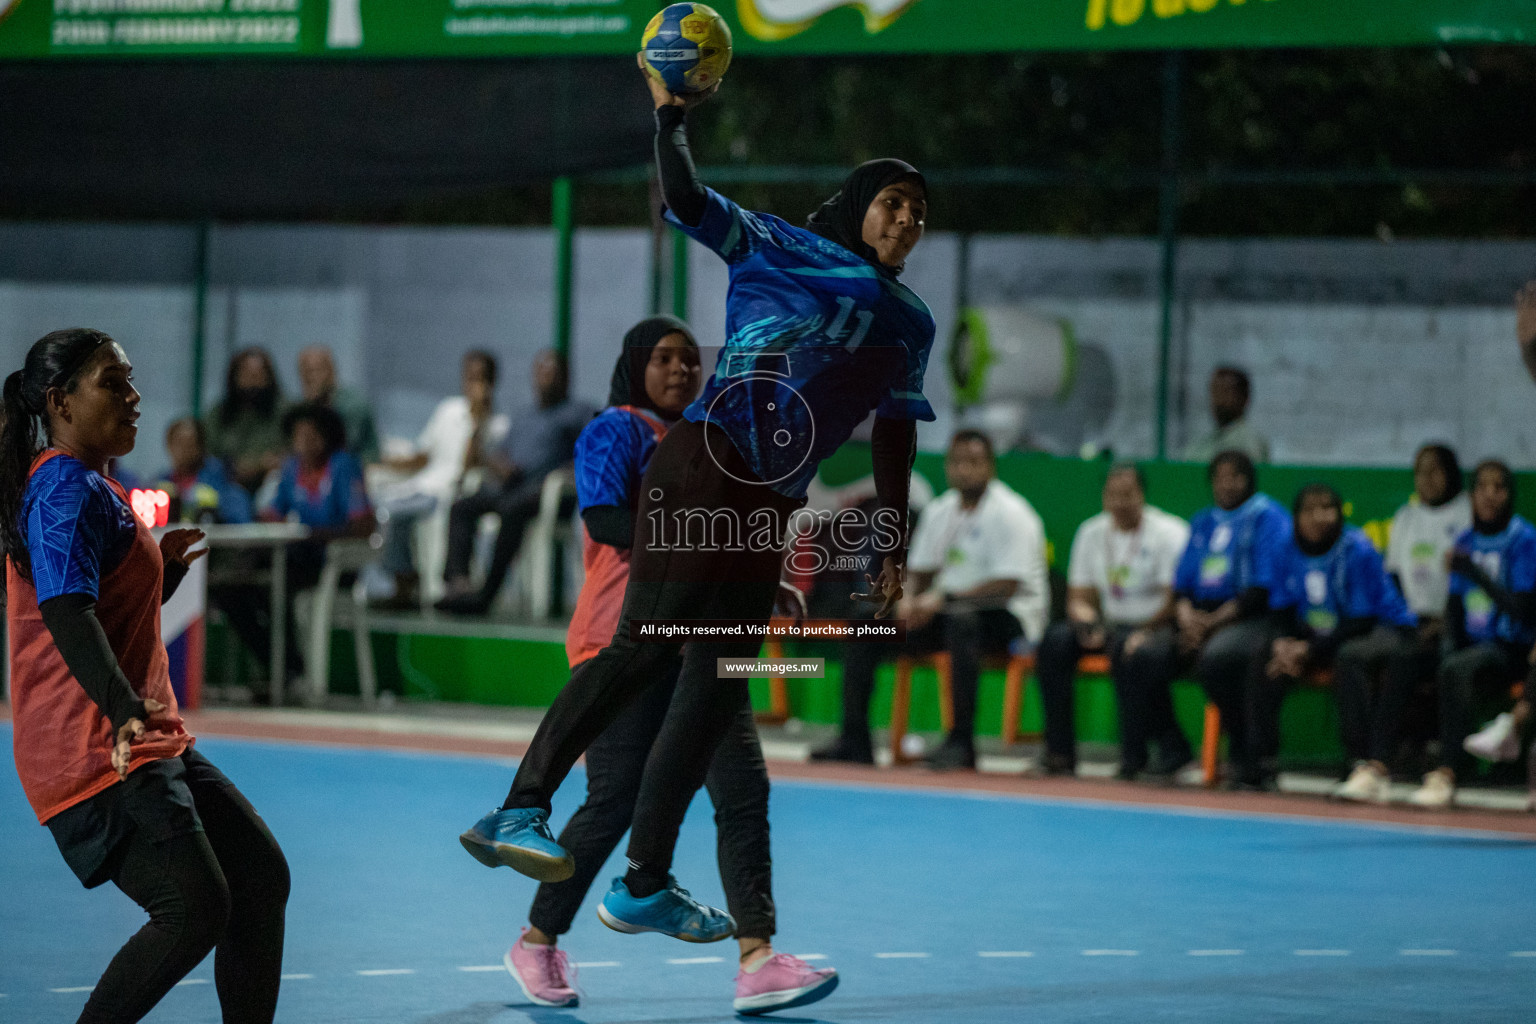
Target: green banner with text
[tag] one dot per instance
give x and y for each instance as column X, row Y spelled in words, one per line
column 468, row 28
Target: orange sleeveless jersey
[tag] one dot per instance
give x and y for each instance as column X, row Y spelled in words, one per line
column 607, row 573
column 62, row 741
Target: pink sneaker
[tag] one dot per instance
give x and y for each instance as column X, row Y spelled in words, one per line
column 544, row 973
column 780, row 983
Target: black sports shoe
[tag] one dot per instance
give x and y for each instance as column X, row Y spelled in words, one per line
column 844, row 751
column 953, row 756
column 1167, row 765
column 1052, row 766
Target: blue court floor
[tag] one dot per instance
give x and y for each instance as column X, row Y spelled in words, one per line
column 935, row 907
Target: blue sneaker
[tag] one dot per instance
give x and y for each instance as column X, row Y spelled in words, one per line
column 520, row 839
column 671, row 911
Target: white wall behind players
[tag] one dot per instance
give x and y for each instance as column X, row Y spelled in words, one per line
column 1359, row 350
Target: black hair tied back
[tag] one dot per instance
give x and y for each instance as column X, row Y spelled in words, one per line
column 54, row 361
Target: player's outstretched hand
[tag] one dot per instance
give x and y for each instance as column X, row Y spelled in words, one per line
column 664, row 97
column 884, row 590
column 173, row 546
column 132, row 729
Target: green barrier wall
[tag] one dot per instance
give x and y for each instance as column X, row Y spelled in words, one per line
column 529, row 673
column 1066, row 491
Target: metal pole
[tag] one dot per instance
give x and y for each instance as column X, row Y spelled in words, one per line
column 679, row 274
column 963, row 272
column 659, row 234
column 1168, row 233
column 199, row 315
column 562, row 209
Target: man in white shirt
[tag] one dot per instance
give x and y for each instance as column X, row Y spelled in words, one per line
column 978, row 583
column 1119, row 582
column 459, row 435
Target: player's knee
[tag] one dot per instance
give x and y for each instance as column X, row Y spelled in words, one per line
column 276, row 882
column 202, row 915
column 742, row 798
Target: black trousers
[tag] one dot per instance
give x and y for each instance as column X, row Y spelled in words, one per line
column 738, row 787
column 708, row 545
column 1248, row 702
column 966, row 634
column 224, row 888
column 1468, row 678
column 517, row 505
column 1143, row 682
column 1373, row 679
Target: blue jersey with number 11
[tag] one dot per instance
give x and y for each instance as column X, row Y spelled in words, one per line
column 816, row 339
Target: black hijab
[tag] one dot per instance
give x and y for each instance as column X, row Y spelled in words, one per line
column 1448, row 465
column 841, row 218
column 1242, row 464
column 1334, row 499
column 1489, row 527
column 638, row 343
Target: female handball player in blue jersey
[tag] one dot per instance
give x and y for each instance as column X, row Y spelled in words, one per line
column 103, row 755
column 654, row 380
column 819, row 334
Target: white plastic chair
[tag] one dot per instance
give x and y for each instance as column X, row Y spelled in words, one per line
column 537, row 562
column 347, row 555
column 532, row 583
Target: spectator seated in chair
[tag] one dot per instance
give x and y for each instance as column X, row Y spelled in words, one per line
column 539, row 441
column 1335, row 608
column 977, row 584
column 317, row 379
column 199, row 488
column 321, row 486
column 1489, row 620
column 1119, row 590
column 458, row 435
column 245, row 429
column 1423, row 532
column 1221, row 592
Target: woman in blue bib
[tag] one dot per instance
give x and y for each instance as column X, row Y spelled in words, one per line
column 1336, row 607
column 1221, row 595
column 819, row 335
column 319, row 484
column 1490, row 622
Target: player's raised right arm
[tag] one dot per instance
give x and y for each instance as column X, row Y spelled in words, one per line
column 680, row 186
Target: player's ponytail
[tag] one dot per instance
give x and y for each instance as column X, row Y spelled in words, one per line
column 53, row 361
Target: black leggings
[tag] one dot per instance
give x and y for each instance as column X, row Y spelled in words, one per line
column 1249, row 701
column 966, row 634
column 225, row 888
column 1468, row 678
column 738, row 787
column 1142, row 692
column 700, row 494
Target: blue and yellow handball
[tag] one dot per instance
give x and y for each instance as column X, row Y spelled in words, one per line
column 687, row 47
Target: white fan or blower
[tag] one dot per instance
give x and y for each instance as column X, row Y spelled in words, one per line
column 1002, row 359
